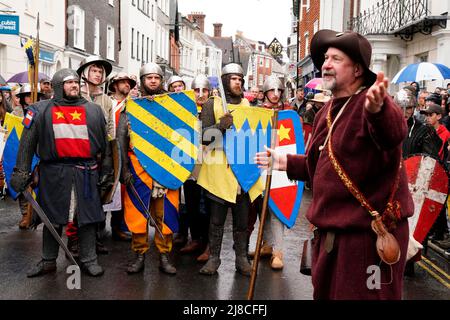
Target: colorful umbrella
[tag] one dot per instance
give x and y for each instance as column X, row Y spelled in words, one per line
column 315, row 84
column 421, row 72
column 22, row 77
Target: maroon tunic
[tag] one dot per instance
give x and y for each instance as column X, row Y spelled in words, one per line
column 368, row 146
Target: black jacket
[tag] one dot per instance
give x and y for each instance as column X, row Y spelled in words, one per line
column 421, row 139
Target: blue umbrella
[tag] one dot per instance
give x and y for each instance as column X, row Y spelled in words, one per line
column 22, row 77
column 421, row 72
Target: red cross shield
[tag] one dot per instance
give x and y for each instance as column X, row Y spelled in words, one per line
column 428, row 184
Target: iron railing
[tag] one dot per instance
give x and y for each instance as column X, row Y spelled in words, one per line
column 398, row 17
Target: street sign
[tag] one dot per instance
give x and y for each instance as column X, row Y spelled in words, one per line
column 9, row 24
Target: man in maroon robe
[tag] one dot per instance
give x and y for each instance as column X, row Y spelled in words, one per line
column 366, row 140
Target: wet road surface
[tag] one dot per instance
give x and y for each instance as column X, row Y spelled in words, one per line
column 19, row 250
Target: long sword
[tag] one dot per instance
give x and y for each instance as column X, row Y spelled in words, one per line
column 48, row 224
column 152, row 221
column 222, row 96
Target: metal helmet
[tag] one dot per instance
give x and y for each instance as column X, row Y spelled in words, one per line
column 59, row 78
column 174, row 79
column 27, row 89
column 273, row 83
column 201, row 82
column 233, row 68
column 118, row 77
column 150, row 68
column 94, row 60
column 405, row 98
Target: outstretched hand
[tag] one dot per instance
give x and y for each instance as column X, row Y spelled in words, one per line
column 262, row 159
column 376, row 94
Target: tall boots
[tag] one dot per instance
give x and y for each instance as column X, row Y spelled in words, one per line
column 240, row 246
column 27, row 213
column 165, row 265
column 215, row 245
column 137, row 265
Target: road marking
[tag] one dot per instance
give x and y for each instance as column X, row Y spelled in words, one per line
column 436, row 276
column 445, row 274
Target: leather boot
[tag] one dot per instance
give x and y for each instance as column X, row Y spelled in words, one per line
column 204, row 256
column 27, row 213
column 73, row 246
column 192, row 246
column 43, row 267
column 241, row 262
column 165, row 265
column 93, row 269
column 215, row 245
column 210, row 268
column 137, row 265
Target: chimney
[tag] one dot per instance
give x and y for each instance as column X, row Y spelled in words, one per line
column 199, row 19
column 217, row 30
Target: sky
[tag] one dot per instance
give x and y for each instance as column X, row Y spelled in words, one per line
column 260, row 20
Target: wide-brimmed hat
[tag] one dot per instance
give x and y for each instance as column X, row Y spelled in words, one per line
column 121, row 76
column 320, row 97
column 357, row 47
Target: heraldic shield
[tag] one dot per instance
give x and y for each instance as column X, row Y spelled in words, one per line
column 165, row 135
column 286, row 195
column 249, row 134
column 428, row 184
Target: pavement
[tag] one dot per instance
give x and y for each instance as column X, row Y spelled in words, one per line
column 19, row 250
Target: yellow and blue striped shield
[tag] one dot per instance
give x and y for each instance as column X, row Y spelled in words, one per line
column 165, row 136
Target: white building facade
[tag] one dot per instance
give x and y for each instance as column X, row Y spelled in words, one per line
column 421, row 34
column 191, row 50
column 138, row 26
column 52, row 36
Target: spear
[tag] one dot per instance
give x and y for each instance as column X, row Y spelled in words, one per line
column 263, row 216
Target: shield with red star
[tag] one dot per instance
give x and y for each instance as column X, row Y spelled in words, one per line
column 428, row 184
column 286, row 195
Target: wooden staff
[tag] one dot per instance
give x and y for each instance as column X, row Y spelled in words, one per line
column 263, row 216
column 34, row 84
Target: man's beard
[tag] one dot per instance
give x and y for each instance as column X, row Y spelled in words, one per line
column 236, row 91
column 202, row 100
column 329, row 84
column 124, row 92
column 149, row 91
column 71, row 97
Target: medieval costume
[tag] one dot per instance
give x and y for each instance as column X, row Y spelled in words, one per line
column 69, row 136
column 365, row 148
column 210, row 178
column 155, row 194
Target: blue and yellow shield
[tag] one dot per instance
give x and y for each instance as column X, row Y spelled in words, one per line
column 250, row 132
column 164, row 136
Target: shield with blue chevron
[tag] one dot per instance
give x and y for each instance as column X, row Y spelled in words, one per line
column 249, row 134
column 14, row 127
column 164, row 136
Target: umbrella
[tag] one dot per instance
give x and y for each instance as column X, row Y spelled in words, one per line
column 315, row 84
column 2, row 81
column 22, row 77
column 421, row 72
